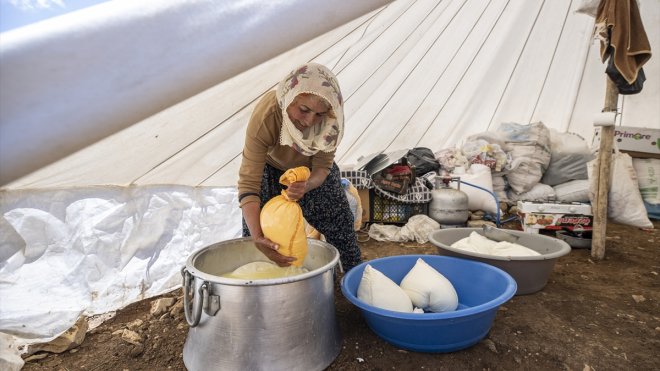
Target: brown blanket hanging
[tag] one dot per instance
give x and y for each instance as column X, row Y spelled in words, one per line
column 618, row 23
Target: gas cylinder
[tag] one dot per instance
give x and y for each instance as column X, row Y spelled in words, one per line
column 449, row 206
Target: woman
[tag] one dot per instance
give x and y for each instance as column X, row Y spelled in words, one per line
column 299, row 124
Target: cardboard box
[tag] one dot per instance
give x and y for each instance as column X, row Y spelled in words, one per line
column 532, row 222
column 628, row 138
column 555, row 216
column 364, row 200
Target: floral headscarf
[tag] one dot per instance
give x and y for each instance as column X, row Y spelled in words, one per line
column 316, row 79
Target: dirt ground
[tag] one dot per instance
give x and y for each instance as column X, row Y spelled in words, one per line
column 591, row 316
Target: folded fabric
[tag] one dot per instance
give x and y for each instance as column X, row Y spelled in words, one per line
column 619, row 26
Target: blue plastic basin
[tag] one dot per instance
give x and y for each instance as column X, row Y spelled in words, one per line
column 481, row 289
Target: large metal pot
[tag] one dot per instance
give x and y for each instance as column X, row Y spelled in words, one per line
column 271, row 324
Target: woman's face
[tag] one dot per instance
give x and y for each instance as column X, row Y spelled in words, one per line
column 307, row 110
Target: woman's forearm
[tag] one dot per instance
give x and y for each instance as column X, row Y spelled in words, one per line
column 251, row 211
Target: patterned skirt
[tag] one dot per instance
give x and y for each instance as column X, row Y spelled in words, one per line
column 325, row 208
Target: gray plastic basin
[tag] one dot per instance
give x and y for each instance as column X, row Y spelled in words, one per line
column 530, row 272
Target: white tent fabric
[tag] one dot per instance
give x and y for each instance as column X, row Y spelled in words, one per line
column 101, row 69
column 129, row 208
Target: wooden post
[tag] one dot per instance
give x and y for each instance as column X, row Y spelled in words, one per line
column 602, row 175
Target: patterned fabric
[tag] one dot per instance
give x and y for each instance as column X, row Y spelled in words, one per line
column 359, row 178
column 325, row 208
column 418, row 193
column 314, row 79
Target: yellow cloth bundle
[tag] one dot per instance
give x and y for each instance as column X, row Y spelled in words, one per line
column 282, row 220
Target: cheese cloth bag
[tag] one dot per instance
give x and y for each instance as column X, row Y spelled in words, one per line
column 429, row 289
column 282, row 219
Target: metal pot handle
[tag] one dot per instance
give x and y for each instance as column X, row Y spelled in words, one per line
column 193, row 320
column 341, row 267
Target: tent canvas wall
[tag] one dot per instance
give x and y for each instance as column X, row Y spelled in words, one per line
column 113, row 222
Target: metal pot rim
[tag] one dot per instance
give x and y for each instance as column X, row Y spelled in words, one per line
column 190, row 267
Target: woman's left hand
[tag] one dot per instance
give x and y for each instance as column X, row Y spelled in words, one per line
column 296, row 190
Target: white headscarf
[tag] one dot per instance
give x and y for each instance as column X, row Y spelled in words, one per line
column 311, row 78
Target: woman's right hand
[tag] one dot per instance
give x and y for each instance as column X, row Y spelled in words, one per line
column 269, row 248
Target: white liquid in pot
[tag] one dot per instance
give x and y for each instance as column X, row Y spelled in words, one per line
column 264, row 270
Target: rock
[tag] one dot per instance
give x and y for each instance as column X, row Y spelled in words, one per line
column 36, row 357
column 131, row 337
column 160, row 306
column 70, row 339
column 177, row 309
column 639, row 298
column 137, row 350
column 133, row 326
column 491, row 345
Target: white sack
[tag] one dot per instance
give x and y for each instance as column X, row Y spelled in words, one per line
column 97, row 249
column 530, row 154
column 569, row 154
column 380, row 291
column 429, row 289
column 624, row 202
column 540, row 192
column 500, row 187
column 572, row 191
column 478, row 199
column 648, row 175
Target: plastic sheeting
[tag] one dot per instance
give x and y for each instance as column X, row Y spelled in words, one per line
column 92, row 250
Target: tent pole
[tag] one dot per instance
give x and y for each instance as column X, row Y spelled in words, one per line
column 602, row 175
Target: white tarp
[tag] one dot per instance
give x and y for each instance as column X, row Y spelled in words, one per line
column 92, row 250
column 426, row 73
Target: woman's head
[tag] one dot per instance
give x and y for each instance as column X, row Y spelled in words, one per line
column 308, row 110
column 312, row 109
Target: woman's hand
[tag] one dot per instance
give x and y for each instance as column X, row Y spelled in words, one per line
column 296, row 190
column 269, row 248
